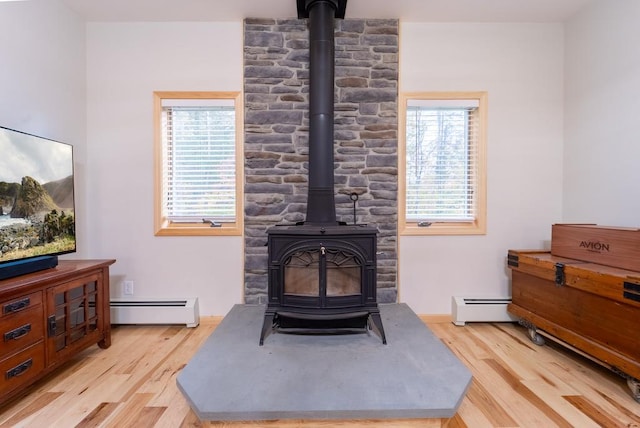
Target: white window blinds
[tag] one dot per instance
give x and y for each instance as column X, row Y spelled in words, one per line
column 199, row 140
column 442, row 162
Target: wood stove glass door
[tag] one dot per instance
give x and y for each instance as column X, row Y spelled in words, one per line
column 322, row 273
column 343, row 274
column 302, row 274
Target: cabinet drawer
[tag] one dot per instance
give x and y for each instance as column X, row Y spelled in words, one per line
column 21, row 330
column 11, row 307
column 21, row 368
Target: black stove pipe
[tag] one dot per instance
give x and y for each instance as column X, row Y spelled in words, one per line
column 321, row 208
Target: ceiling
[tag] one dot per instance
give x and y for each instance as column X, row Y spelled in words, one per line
column 405, row 10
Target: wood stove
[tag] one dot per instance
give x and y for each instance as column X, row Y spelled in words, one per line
column 322, row 279
column 322, row 274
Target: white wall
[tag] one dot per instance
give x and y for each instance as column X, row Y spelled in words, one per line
column 602, row 106
column 125, row 64
column 521, row 68
column 42, row 82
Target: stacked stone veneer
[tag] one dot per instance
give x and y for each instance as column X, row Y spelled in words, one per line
column 276, row 78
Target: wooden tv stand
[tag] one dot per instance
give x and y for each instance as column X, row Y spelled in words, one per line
column 49, row 316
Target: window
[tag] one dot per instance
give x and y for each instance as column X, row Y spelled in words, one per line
column 442, row 163
column 198, row 163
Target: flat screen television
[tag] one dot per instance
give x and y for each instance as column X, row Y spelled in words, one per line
column 37, row 206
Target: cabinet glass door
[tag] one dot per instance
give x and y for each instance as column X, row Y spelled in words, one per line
column 75, row 317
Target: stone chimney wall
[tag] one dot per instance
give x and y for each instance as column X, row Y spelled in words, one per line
column 276, row 75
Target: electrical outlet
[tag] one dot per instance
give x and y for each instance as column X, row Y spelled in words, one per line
column 127, row 287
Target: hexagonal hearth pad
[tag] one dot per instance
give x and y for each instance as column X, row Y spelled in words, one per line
column 347, row 376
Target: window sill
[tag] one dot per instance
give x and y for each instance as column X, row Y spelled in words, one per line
column 412, row 229
column 198, row 229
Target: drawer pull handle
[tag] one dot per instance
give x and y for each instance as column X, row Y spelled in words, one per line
column 19, row 369
column 17, row 333
column 16, row 306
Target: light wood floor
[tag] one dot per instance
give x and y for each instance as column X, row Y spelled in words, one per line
column 516, row 384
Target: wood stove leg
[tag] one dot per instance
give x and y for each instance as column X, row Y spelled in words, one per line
column 377, row 322
column 267, row 325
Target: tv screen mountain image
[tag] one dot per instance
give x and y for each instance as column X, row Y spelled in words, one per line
column 37, row 207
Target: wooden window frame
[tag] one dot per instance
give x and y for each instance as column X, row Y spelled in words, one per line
column 164, row 227
column 479, row 225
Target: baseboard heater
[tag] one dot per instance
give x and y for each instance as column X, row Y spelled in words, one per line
column 155, row 311
column 479, row 309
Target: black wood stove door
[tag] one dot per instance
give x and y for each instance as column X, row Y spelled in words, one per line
column 322, row 276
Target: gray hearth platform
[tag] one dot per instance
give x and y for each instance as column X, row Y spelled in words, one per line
column 351, row 376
